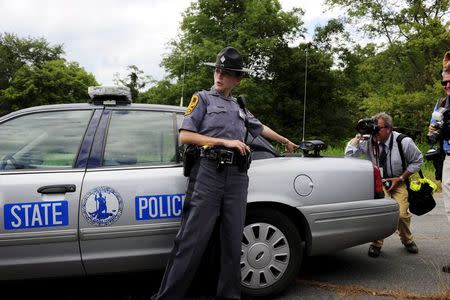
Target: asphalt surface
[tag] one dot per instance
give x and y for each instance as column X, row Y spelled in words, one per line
column 348, row 274
column 352, row 274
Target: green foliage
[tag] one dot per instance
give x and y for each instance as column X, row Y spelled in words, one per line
column 135, row 81
column 49, row 83
column 402, row 76
column 275, row 92
column 16, row 52
column 33, row 73
column 164, row 92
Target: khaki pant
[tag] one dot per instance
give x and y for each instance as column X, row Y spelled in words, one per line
column 400, row 194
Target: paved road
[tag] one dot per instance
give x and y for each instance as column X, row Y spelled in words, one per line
column 348, row 274
column 396, row 273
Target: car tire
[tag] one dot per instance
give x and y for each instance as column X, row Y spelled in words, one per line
column 271, row 254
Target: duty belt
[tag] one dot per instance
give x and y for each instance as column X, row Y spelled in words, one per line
column 222, row 156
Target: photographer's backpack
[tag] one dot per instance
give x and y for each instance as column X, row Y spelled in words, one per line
column 421, row 201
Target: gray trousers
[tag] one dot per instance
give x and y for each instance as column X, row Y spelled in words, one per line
column 210, row 194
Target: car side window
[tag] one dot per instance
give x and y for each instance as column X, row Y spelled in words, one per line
column 140, row 138
column 45, row 140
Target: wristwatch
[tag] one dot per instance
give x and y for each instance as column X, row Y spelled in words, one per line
column 402, row 179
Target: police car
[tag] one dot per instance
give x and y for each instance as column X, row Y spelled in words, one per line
column 99, row 188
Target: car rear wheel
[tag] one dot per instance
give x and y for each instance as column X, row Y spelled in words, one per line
column 271, row 252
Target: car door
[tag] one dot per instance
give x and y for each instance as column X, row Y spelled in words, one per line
column 133, row 192
column 40, row 186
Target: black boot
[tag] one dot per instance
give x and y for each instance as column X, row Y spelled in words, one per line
column 412, row 248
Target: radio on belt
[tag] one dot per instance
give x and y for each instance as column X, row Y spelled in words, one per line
column 109, row 95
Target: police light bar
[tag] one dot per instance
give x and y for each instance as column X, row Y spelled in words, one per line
column 109, row 95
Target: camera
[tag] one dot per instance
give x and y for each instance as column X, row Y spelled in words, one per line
column 367, row 126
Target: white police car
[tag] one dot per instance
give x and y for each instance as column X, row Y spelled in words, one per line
column 98, row 188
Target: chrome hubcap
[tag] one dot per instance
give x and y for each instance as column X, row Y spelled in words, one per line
column 265, row 255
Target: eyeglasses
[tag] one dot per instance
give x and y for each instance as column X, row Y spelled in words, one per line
column 445, row 82
column 227, row 73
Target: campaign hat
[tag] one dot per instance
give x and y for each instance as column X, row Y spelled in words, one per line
column 230, row 59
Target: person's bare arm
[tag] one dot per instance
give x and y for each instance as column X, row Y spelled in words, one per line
column 268, row 133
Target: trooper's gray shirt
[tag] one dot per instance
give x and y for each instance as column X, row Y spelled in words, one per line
column 215, row 115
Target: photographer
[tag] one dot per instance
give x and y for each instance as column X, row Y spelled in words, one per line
column 439, row 131
column 382, row 149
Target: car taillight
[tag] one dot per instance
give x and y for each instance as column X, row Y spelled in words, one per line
column 378, row 183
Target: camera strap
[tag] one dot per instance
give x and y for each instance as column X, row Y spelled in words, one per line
column 400, row 150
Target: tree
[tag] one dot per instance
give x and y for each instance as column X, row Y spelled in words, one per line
column 52, row 82
column 398, row 75
column 264, row 35
column 34, row 73
column 256, row 27
column 16, row 52
column 415, row 33
column 135, row 80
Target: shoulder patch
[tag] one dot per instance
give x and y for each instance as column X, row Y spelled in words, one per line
column 192, row 105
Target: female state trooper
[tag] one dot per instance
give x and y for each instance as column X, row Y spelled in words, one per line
column 218, row 181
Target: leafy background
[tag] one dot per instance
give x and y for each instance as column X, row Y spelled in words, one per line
column 397, row 72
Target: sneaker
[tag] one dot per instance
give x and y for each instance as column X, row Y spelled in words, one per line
column 412, row 248
column 446, row 269
column 374, row 251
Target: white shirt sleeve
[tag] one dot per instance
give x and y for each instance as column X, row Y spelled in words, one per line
column 356, row 151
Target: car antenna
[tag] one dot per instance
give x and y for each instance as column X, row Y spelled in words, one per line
column 304, row 95
column 182, row 83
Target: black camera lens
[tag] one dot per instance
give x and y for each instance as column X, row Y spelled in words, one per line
column 367, row 126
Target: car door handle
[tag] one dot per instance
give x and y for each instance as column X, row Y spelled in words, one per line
column 57, row 189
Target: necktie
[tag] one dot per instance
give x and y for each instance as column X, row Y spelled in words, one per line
column 382, row 159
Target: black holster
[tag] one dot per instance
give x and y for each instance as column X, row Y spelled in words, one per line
column 243, row 161
column 190, row 156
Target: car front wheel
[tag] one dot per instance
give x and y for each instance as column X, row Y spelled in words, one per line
column 271, row 252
